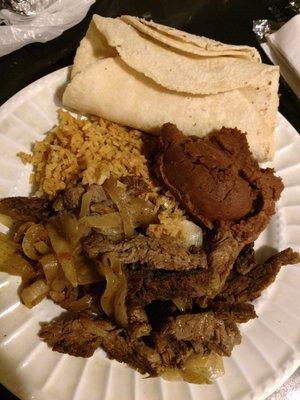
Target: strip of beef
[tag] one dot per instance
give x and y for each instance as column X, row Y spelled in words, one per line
column 246, row 260
column 243, row 288
column 96, row 244
column 138, row 324
column 223, row 252
column 81, row 335
column 173, row 352
column 163, row 253
column 205, row 331
column 25, row 208
column 69, row 199
column 237, row 312
column 145, row 286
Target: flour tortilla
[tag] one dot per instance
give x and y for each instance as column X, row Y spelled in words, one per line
column 124, row 75
column 93, row 47
column 116, row 92
column 192, row 44
column 174, row 71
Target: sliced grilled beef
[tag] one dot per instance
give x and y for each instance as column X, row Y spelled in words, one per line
column 25, row 208
column 223, row 252
column 138, row 324
column 69, row 199
column 81, row 335
column 243, row 288
column 157, row 253
column 146, row 285
column 212, row 332
column 238, row 312
column 246, row 260
column 173, row 352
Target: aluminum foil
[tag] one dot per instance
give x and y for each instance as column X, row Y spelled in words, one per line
column 262, row 27
column 26, row 7
column 282, row 11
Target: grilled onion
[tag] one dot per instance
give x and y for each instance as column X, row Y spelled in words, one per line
column 120, row 310
column 113, row 300
column 64, row 252
column 50, row 266
column 107, row 224
column 34, row 234
column 85, row 203
column 11, row 261
column 73, row 228
column 107, row 299
column 86, row 272
column 203, row 369
column 134, row 211
column 34, row 293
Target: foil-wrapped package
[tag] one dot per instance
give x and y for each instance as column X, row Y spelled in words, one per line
column 26, row 7
column 261, row 27
column 282, row 11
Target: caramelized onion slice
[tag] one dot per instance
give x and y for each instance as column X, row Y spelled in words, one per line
column 35, row 233
column 172, row 374
column 112, row 281
column 10, row 260
column 86, row 271
column 116, row 292
column 50, row 266
column 203, row 369
column 85, row 203
column 62, row 292
column 113, row 300
column 73, row 228
column 64, row 252
column 34, row 293
column 120, row 198
column 7, row 247
column 120, row 309
column 107, row 224
column 8, row 221
column 15, row 264
column 134, row 211
column 190, row 233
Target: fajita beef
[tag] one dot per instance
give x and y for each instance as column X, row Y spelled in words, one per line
column 137, row 277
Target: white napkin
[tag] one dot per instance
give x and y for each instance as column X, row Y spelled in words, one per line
column 284, row 50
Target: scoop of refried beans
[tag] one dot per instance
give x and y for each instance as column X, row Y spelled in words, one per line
column 217, row 180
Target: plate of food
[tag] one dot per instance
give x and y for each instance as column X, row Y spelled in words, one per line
column 150, row 218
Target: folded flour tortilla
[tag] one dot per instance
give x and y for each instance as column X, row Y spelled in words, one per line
column 143, row 74
column 190, row 43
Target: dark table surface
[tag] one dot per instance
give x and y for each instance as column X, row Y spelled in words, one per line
column 225, row 20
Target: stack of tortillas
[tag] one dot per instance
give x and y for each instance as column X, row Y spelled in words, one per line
column 142, row 74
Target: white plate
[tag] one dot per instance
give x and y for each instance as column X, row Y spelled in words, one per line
column 270, row 349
